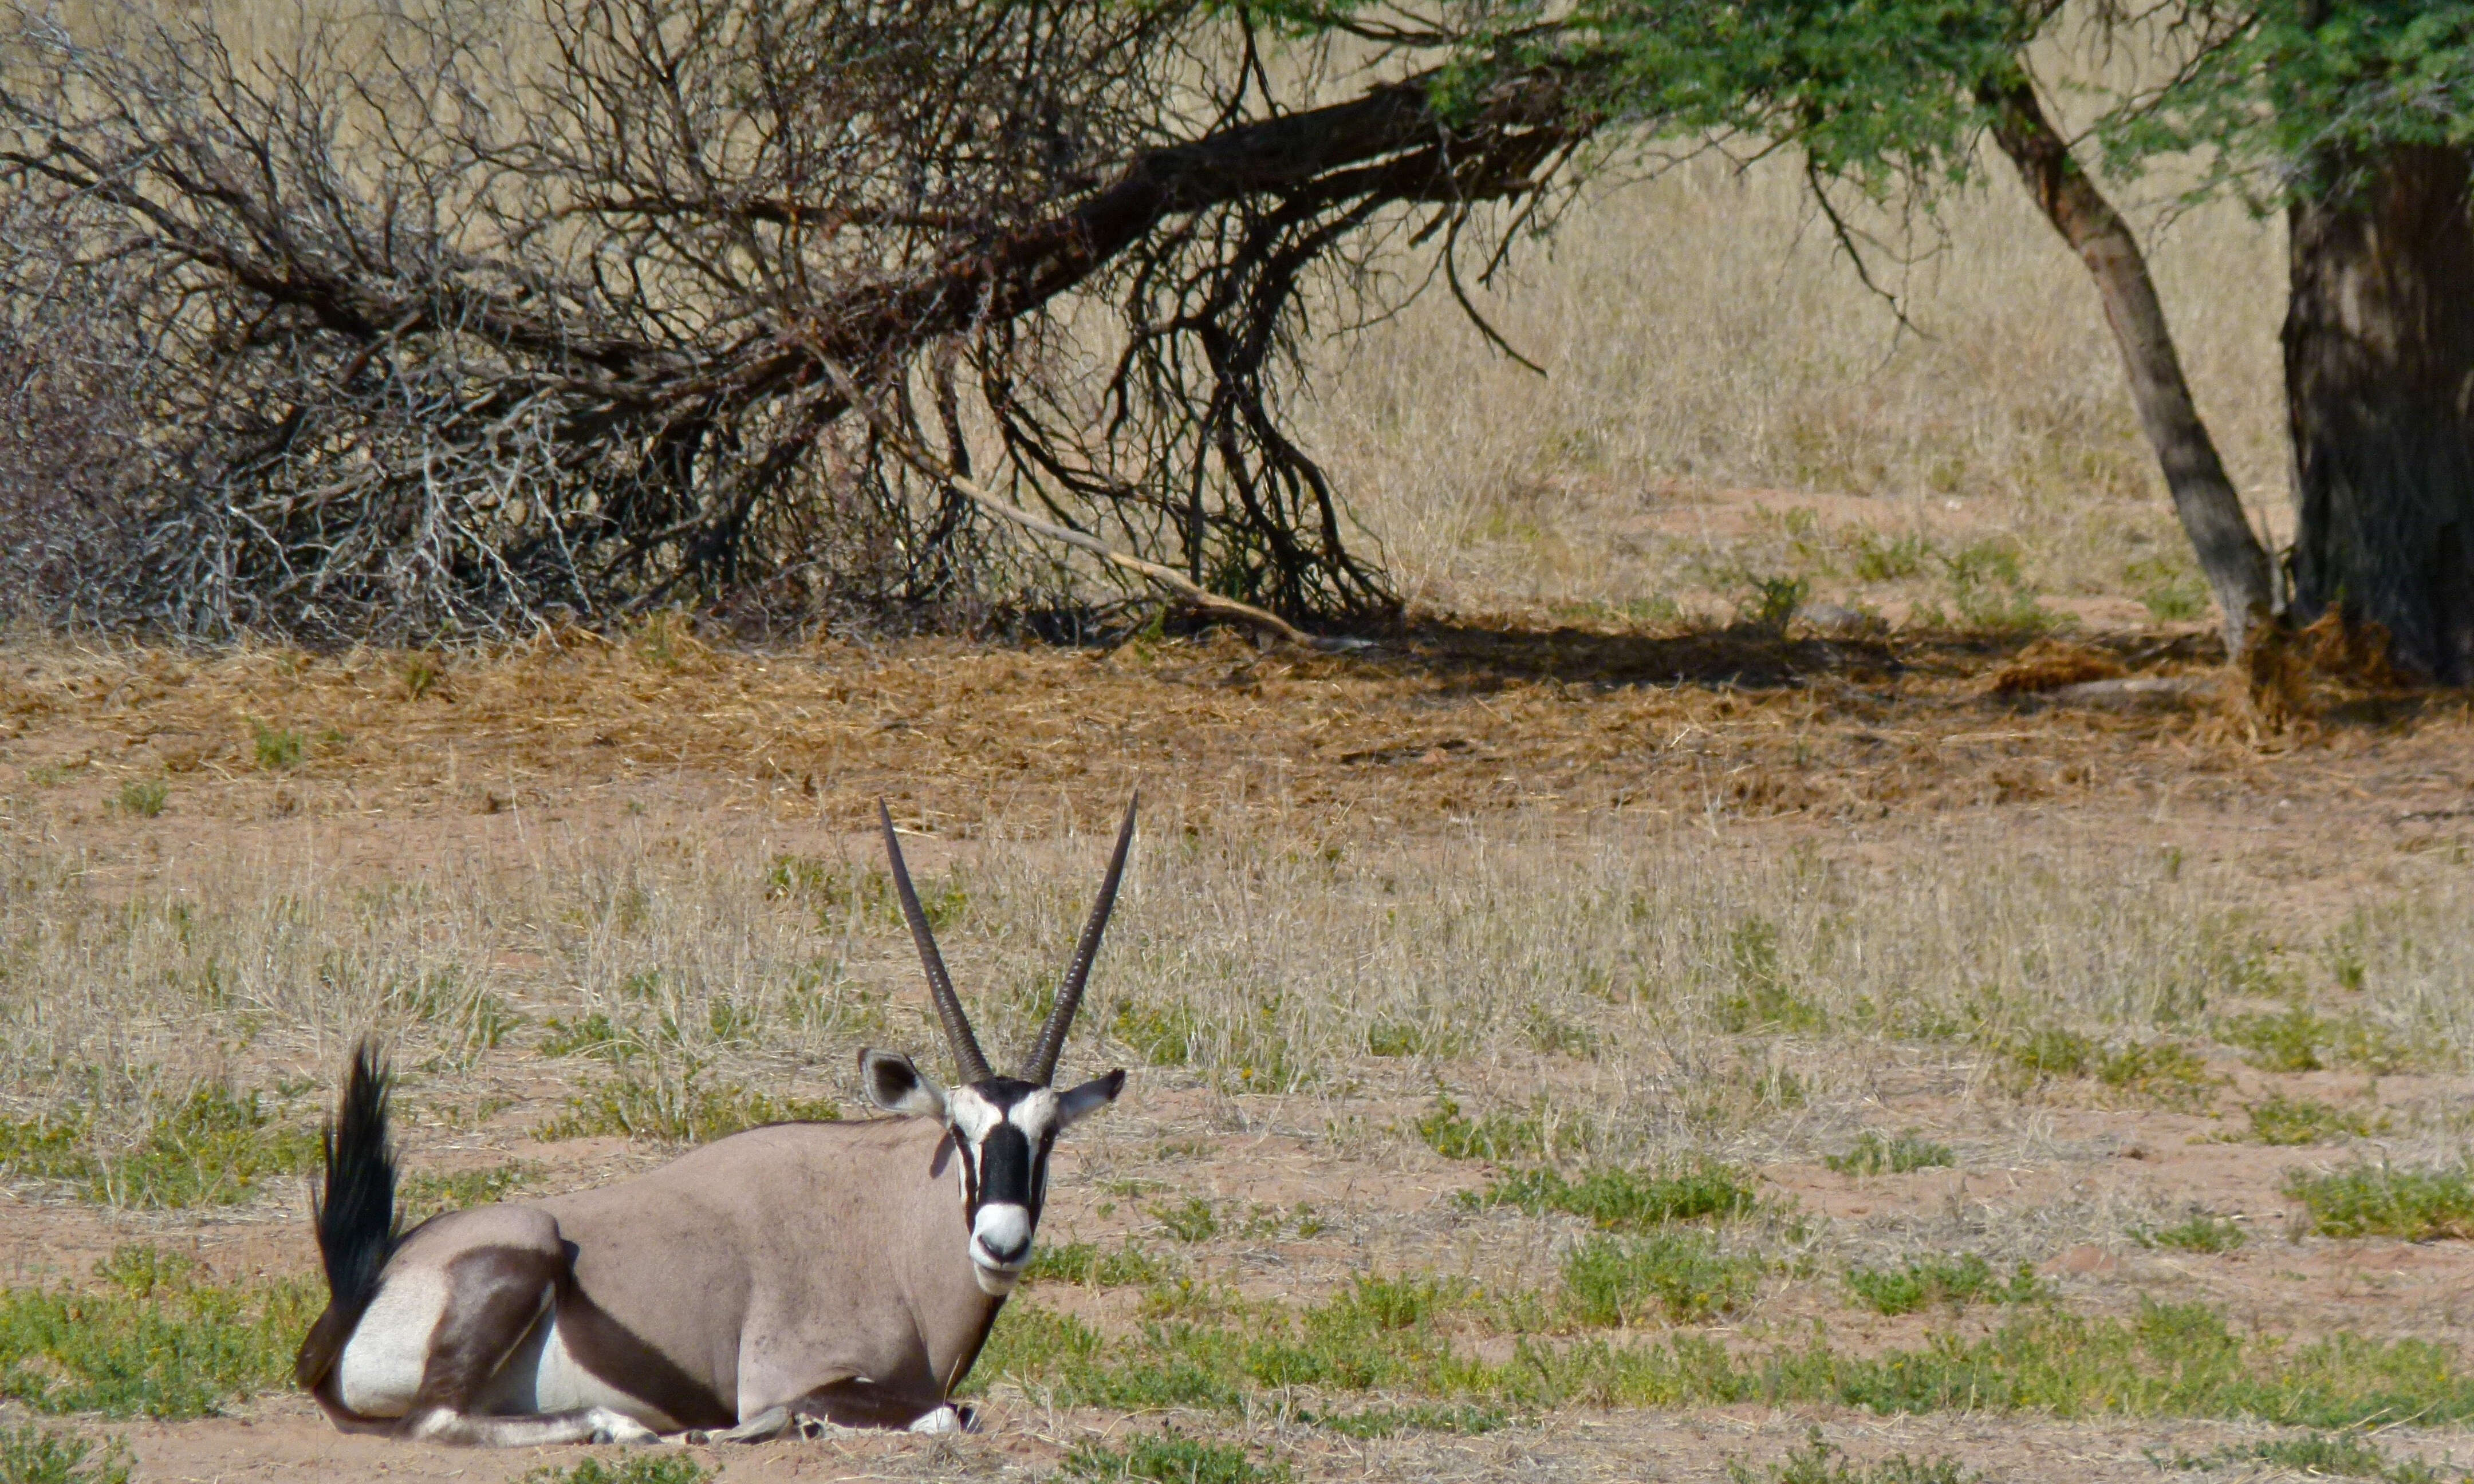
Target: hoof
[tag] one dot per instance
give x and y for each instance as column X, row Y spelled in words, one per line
column 948, row 1419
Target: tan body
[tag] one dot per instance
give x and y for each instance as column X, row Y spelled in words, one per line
column 815, row 1266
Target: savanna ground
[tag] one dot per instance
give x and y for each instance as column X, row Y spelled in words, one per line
column 1630, row 1030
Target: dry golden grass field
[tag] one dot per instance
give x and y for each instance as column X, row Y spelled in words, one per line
column 1601, row 1035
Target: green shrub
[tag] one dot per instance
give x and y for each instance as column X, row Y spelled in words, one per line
column 143, row 798
column 1628, row 1200
column 276, row 749
column 677, row 1110
column 1167, row 1458
column 35, row 1454
column 2201, row 1233
column 1500, row 1137
column 1765, row 997
column 1872, row 1155
column 1680, row 1275
column 2051, row 1051
column 1958, row 1281
column 638, row 1468
column 2165, row 1072
column 2287, row 1121
column 1191, row 1220
column 156, row 1342
column 1819, row 1463
column 2381, row 1200
column 425, row 1193
column 1130, row 1266
column 210, row 1148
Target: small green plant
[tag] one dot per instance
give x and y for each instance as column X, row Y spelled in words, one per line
column 425, row 1193
column 2285, row 1043
column 1130, row 1266
column 2164, row 1072
column 1162, row 1034
column 2201, row 1233
column 1385, row 1421
column 2051, row 1051
column 275, row 748
column 211, row 1148
column 1817, row 1462
column 837, row 893
column 1956, row 1282
column 2338, row 1455
column 1627, row 1200
column 633, row 1468
column 1168, row 1458
column 35, row 1454
column 1873, row 1155
column 591, row 1034
column 2381, row 1200
column 1680, row 1275
column 2282, row 1120
column 154, row 1341
column 1770, row 604
column 677, row 1108
column 1879, row 558
column 1765, row 997
column 143, row 798
column 422, row 675
column 1500, row 1135
column 2171, row 591
column 1190, row 1220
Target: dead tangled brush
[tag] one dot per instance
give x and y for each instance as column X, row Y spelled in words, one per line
column 2295, row 679
column 2049, row 664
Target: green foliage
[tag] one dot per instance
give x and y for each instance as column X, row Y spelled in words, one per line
column 2282, row 1120
column 211, row 1148
column 1167, row 1458
column 2381, row 1200
column 1819, row 1463
column 2170, row 591
column 839, row 894
column 1958, row 1281
column 678, row 1109
column 1879, row 558
column 2341, row 1455
column 153, row 1342
column 1873, row 1155
column 1130, row 1266
column 2202, row 1234
column 1765, row 997
column 1770, row 604
column 1502, row 1136
column 2299, row 1040
column 1628, row 1200
column 2166, row 1360
column 35, row 1454
column 1190, row 1220
column 276, row 749
column 634, row 1467
column 425, row 1193
column 1384, row 1422
column 591, row 1034
column 1162, row 1034
column 143, row 798
column 2165, row 1072
column 1680, row 1275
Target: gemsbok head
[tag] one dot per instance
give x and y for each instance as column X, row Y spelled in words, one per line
column 787, row 1277
column 1003, row 1128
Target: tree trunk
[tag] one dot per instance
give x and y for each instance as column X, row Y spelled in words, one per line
column 2379, row 373
column 2230, row 556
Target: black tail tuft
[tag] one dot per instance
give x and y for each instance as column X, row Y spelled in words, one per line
column 356, row 1215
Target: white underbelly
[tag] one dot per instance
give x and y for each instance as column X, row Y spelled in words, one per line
column 544, row 1375
column 382, row 1365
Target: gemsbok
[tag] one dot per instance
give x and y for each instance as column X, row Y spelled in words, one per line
column 781, row 1278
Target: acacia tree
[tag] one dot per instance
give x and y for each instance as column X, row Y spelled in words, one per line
column 2352, row 116
column 444, row 320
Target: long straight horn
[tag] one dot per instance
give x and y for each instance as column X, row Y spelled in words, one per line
column 948, row 1006
column 1041, row 1066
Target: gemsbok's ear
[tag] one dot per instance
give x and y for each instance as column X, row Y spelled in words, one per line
column 897, row 1086
column 1075, row 1104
